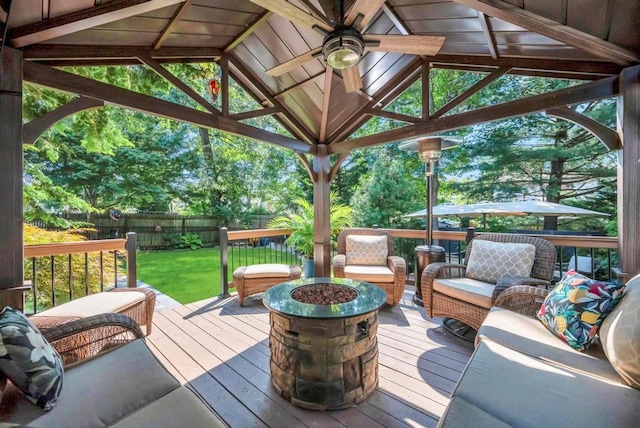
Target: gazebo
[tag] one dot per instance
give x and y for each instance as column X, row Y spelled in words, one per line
column 297, row 60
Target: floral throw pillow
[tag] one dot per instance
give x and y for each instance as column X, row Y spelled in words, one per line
column 575, row 308
column 28, row 360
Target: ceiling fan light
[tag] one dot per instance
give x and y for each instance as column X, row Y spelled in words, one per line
column 343, row 48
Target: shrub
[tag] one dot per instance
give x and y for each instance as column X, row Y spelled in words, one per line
column 191, row 240
column 35, row 235
column 172, row 241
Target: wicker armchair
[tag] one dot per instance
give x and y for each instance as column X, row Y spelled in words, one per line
column 392, row 281
column 462, row 305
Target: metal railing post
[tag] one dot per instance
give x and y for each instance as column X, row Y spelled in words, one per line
column 224, row 263
column 132, row 272
column 471, row 232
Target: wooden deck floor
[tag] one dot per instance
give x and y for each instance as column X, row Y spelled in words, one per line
column 222, row 351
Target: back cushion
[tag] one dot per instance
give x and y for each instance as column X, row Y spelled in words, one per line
column 620, row 335
column 367, row 250
column 489, row 261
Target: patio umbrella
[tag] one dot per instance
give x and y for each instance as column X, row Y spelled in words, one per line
column 517, row 208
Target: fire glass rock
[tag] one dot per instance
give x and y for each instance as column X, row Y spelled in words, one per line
column 324, row 294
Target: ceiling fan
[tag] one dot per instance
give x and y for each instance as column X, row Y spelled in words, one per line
column 344, row 44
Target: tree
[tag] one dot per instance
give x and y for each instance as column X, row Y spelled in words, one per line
column 386, row 195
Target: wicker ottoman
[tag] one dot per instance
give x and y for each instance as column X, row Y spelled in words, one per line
column 258, row 278
column 136, row 303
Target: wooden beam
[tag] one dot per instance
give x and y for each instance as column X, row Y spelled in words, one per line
column 11, row 210
column 606, row 135
column 529, row 73
column 488, row 35
column 321, row 210
column 186, row 89
column 74, row 84
column 82, row 20
column 554, row 30
column 302, row 130
column 495, row 75
column 34, row 129
column 399, row 24
column 599, row 89
column 224, row 84
column 395, row 116
column 254, row 113
column 597, row 68
column 324, row 121
column 629, row 174
column 86, row 53
column 171, row 26
column 299, row 85
column 307, row 166
column 426, row 101
column 336, row 166
column 246, row 33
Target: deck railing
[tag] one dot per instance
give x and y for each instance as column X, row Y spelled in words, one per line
column 247, row 247
column 601, row 250
column 64, row 256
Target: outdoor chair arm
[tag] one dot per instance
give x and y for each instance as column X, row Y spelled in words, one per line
column 433, row 271
column 524, row 299
column 339, row 262
column 510, row 281
column 85, row 337
column 397, row 265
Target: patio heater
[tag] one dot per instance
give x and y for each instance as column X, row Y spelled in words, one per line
column 429, row 149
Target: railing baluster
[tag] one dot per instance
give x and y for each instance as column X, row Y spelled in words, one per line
column 53, row 281
column 101, row 271
column 224, row 265
column 34, row 284
column 70, row 280
column 86, row 273
column 115, row 269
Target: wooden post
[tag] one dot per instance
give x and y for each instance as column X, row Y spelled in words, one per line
column 11, row 241
column 629, row 171
column 224, row 263
column 132, row 268
column 321, row 203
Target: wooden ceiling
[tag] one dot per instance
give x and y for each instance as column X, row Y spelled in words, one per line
column 587, row 39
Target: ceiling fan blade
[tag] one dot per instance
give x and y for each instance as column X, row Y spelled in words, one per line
column 287, row 66
column 416, row 45
column 367, row 8
column 352, row 79
column 292, row 13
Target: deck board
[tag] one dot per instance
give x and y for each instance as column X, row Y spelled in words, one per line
column 221, row 351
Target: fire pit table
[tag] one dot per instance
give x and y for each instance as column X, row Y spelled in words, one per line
column 324, row 356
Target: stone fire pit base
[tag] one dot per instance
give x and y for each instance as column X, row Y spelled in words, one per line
column 324, row 364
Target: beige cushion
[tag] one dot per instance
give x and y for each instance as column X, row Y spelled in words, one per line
column 529, row 336
column 369, row 273
column 180, row 408
column 528, row 392
column 270, row 270
column 461, row 413
column 620, row 335
column 367, row 250
column 466, row 289
column 489, row 261
column 99, row 303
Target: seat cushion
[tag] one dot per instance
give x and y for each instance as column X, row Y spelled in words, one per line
column 269, row 270
column 98, row 391
column 369, row 273
column 528, row 336
column 523, row 391
column 370, row 250
column 490, row 261
column 466, row 289
column 94, row 304
column 461, row 413
column 620, row 335
column 179, row 408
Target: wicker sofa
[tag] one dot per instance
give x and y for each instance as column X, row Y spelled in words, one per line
column 522, row 375
column 123, row 386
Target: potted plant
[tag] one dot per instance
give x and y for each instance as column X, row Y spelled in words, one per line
column 302, row 226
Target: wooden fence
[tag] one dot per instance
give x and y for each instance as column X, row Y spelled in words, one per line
column 152, row 228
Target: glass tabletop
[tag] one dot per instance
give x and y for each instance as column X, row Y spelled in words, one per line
column 370, row 298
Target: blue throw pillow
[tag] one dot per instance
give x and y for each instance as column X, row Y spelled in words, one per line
column 575, row 308
column 28, row 360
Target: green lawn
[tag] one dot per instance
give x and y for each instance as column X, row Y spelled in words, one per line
column 189, row 276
